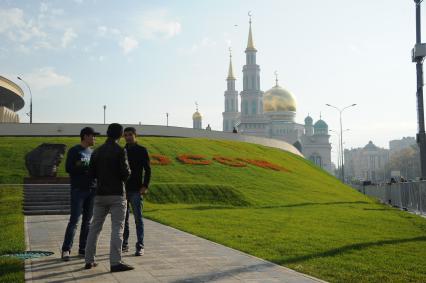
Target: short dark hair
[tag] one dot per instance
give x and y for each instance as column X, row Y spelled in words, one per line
column 130, row 129
column 115, row 131
column 87, row 131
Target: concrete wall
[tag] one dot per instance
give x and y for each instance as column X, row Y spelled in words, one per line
column 52, row 129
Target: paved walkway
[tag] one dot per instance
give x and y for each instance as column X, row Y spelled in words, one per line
column 170, row 256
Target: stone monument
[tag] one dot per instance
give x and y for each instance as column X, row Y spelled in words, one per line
column 43, row 161
column 43, row 188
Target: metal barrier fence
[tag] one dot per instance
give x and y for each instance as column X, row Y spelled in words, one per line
column 409, row 196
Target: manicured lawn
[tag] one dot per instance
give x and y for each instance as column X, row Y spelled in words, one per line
column 304, row 219
column 11, row 234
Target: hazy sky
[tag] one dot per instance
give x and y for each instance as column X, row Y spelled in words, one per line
column 145, row 58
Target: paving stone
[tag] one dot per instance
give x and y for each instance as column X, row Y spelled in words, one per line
column 170, row 256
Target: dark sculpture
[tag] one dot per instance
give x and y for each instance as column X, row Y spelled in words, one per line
column 43, row 161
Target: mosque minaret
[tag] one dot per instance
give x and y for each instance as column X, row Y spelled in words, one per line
column 231, row 115
column 270, row 114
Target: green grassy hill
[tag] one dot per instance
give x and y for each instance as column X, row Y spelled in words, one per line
column 304, row 219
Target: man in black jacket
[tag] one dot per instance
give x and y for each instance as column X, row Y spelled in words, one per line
column 109, row 165
column 136, row 188
column 82, row 191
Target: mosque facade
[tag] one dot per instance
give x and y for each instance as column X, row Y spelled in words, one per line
column 270, row 114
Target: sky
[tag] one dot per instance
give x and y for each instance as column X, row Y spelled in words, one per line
column 143, row 59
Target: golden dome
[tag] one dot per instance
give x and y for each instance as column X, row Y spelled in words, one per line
column 278, row 99
column 196, row 115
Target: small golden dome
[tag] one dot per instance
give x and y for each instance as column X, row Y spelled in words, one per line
column 278, row 99
column 196, row 116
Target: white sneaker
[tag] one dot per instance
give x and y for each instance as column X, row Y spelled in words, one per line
column 65, row 255
column 140, row 252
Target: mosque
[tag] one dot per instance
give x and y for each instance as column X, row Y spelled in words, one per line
column 270, row 114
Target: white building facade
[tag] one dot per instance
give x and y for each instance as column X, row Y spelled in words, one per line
column 272, row 113
column 367, row 163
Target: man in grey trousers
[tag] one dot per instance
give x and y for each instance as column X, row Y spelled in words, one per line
column 109, row 165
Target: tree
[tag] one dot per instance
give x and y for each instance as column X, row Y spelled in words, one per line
column 407, row 161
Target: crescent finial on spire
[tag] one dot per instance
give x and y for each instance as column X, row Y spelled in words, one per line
column 250, row 44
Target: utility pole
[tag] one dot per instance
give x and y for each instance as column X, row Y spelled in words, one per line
column 167, row 117
column 342, row 153
column 338, row 150
column 342, row 150
column 418, row 55
column 104, row 114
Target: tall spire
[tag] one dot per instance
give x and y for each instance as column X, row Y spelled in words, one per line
column 276, row 78
column 250, row 44
column 230, row 70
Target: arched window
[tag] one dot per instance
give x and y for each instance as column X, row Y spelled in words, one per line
column 254, row 107
column 245, row 107
column 319, row 161
column 316, row 158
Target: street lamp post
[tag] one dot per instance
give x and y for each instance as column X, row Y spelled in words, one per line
column 104, row 114
column 341, row 136
column 418, row 55
column 31, row 99
column 339, row 150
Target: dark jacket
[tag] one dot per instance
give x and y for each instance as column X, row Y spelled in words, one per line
column 109, row 165
column 77, row 166
column 139, row 162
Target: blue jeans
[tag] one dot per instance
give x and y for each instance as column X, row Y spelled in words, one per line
column 81, row 203
column 136, row 201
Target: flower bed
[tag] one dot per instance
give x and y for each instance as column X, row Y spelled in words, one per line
column 158, row 159
column 264, row 164
column 193, row 159
column 229, row 161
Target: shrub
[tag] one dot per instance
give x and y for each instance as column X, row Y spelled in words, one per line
column 195, row 193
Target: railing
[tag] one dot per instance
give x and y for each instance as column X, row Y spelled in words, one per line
column 410, row 196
